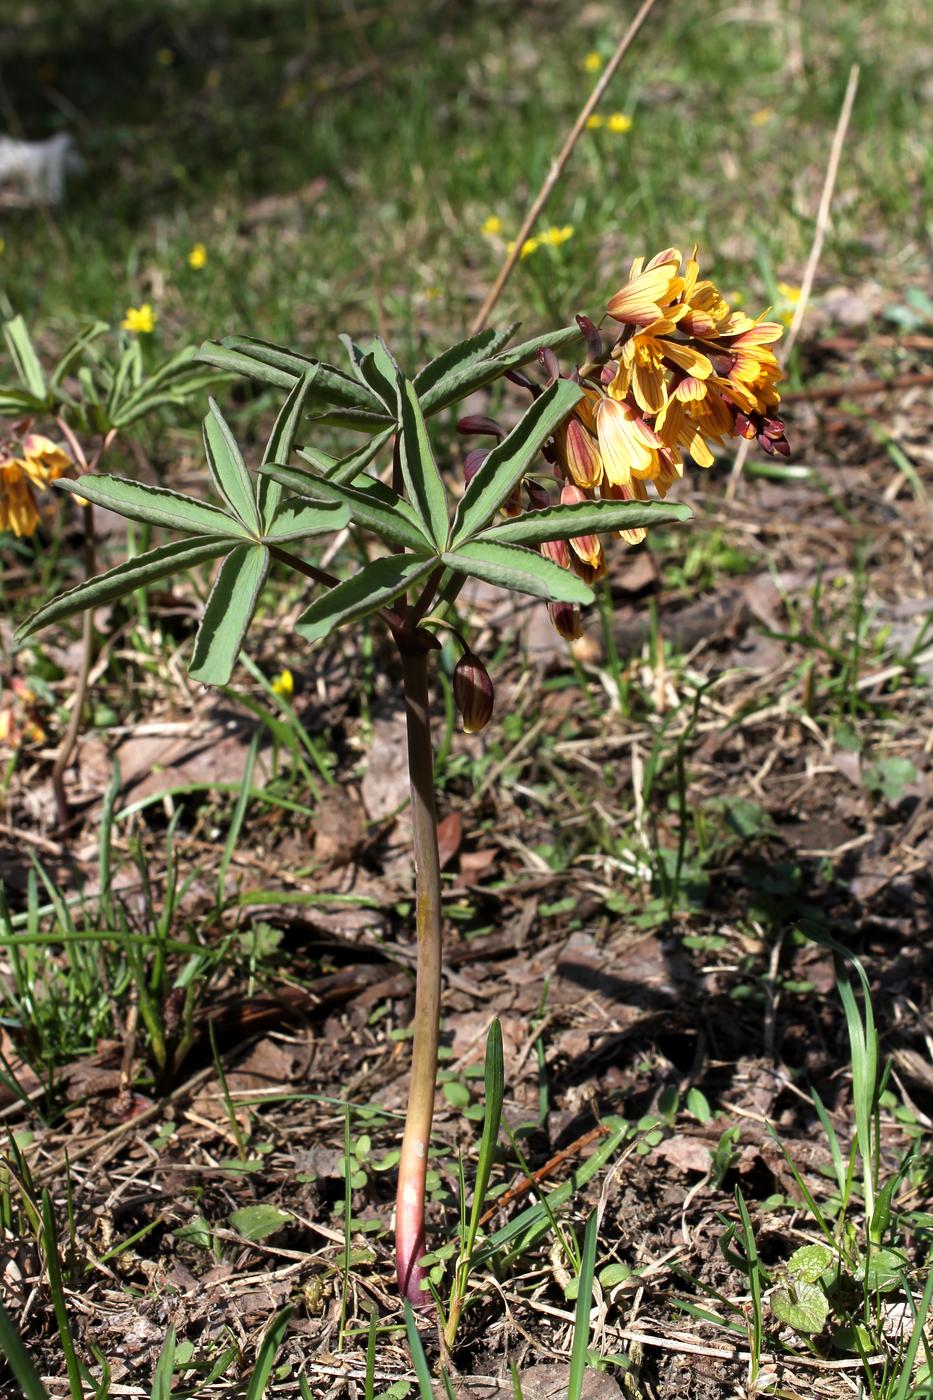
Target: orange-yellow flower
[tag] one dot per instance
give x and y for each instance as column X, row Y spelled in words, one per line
column 18, row 510
column 628, row 446
column 45, row 460
column 650, row 291
column 645, row 365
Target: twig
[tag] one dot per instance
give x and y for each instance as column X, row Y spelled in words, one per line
column 558, row 164
column 528, row 1183
column 816, row 248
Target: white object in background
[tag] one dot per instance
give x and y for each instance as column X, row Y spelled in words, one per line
column 38, row 168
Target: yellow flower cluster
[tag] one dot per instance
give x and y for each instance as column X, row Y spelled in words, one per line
column 683, row 370
column 616, row 122
column 39, row 462
column 552, row 237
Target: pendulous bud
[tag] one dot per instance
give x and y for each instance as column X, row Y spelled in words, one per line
column 473, row 693
column 566, row 620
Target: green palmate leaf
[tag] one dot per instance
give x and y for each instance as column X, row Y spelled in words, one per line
column 422, row 479
column 485, row 370
column 451, row 370
column 153, row 505
column 508, row 461
column 272, row 364
column 24, row 357
column 370, row 503
column 585, row 518
column 281, row 444
column 126, row 578
column 522, row 570
column 229, row 470
column 374, row 587
column 228, row 614
column 299, row 520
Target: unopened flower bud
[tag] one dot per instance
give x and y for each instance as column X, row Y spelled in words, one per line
column 473, row 693
column 594, row 344
column 479, row 423
column 538, row 498
column 549, row 363
column 473, row 461
column 566, row 620
column 558, row 551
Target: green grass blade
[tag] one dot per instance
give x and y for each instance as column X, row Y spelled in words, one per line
column 510, row 459
column 154, row 506
column 581, row 1317
column 378, row 584
column 57, row 1290
column 519, row 569
column 267, row 1354
column 228, row 614
column 228, row 469
column 236, row 821
column 19, row 1360
column 419, row 1360
column 587, row 518
column 165, row 1366
column 903, row 1390
column 494, row 1085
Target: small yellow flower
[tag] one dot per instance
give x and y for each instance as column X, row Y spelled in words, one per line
column 594, row 122
column 789, row 292
column 762, row 116
column 593, row 62
column 165, row 58
column 492, row 225
column 556, row 236
column 197, row 258
column 284, row 685
column 139, row 319
column 618, row 122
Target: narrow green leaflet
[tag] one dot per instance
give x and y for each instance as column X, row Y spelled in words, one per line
column 24, row 357
column 228, row 468
column 126, row 578
column 527, row 351
column 522, row 570
column 419, row 470
column 75, row 349
column 586, row 518
column 299, row 520
column 16, row 401
column 374, row 587
column 509, row 460
column 371, row 504
column 360, row 420
column 348, row 468
column 274, row 365
column 126, row 377
column 228, row 614
column 154, row 505
column 452, row 367
column 281, row 444
column 474, row 375
column 381, row 372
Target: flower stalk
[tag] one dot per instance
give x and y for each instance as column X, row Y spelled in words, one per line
column 409, row 1209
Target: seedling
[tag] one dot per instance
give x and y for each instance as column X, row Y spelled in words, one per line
column 679, row 368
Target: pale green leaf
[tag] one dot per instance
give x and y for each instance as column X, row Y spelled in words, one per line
column 348, row 468
column 371, row 504
column 228, row 614
column 275, row 365
column 804, row 1307
column 381, row 372
column 153, row 505
column 527, row 350
column 374, row 587
column 510, row 459
column 126, row 578
column 422, row 479
column 281, row 444
column 75, row 349
column 228, row 468
column 521, row 570
column 584, row 518
column 297, row 520
column 807, row 1263
column 259, row 1221
column 24, row 357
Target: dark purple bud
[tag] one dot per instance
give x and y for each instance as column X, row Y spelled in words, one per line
column 766, row 445
column 566, row 620
column 594, row 344
column 515, row 376
column 479, row 423
column 473, row 693
column 782, row 446
column 473, row 461
column 538, row 498
column 549, row 364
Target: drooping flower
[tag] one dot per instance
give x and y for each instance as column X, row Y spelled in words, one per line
column 649, row 291
column 473, row 693
column 139, row 319
column 44, row 459
column 18, row 509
